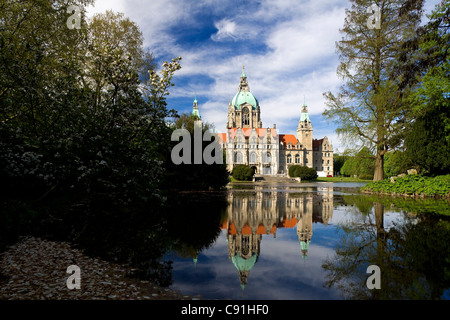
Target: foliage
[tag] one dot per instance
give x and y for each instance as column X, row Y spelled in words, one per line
column 428, row 142
column 76, row 120
column 371, row 105
column 194, row 176
column 412, row 185
column 396, row 162
column 305, row 173
column 242, row 172
column 361, row 165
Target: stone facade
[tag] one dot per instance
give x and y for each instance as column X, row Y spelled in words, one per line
column 264, row 149
column 269, row 153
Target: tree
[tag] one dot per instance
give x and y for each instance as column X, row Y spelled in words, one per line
column 362, row 164
column 193, row 176
column 371, row 106
column 85, row 128
column 396, row 162
column 428, row 143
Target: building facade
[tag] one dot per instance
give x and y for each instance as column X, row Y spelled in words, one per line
column 264, row 149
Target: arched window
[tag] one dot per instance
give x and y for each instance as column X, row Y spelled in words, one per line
column 245, row 117
column 253, row 158
column 238, row 157
column 297, row 158
column 289, row 158
column 268, row 158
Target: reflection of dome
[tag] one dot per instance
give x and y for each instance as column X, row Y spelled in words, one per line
column 244, row 266
column 304, row 246
column 244, row 97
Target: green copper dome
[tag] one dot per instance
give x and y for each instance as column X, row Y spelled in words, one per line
column 244, row 97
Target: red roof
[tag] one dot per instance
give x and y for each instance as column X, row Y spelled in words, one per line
column 261, row 132
column 286, row 138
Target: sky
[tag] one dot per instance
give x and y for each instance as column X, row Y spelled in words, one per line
column 286, row 46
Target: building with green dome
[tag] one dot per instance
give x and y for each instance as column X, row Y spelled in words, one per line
column 264, row 149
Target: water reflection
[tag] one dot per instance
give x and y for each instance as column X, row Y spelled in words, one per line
column 254, row 214
column 316, row 243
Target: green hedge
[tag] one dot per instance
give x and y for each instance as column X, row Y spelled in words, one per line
column 242, row 172
column 304, row 173
column 412, row 185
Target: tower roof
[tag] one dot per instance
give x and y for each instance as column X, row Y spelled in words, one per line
column 244, row 95
column 304, row 115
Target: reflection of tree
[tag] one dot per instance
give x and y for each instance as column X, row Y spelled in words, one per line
column 412, row 256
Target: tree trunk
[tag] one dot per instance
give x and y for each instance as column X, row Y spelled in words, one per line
column 378, row 175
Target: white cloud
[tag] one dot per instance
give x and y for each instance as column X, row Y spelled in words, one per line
column 225, row 29
column 298, row 57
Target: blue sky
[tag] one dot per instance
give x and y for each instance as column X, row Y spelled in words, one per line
column 286, row 46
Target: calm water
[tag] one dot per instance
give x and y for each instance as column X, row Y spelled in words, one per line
column 263, row 241
column 315, row 241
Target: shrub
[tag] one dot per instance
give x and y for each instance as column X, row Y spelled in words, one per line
column 412, row 185
column 242, row 172
column 305, row 173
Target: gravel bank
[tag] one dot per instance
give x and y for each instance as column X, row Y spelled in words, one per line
column 36, row 269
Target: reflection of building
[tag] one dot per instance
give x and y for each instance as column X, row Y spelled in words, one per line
column 269, row 153
column 254, row 214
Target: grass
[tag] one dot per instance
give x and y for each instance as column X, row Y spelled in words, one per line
column 340, row 179
column 412, row 185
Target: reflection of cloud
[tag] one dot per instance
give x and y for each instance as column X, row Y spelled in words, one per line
column 280, row 274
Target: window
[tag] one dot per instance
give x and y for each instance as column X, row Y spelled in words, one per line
column 239, row 158
column 253, row 157
column 289, row 158
column 297, row 158
column 268, row 158
column 246, row 117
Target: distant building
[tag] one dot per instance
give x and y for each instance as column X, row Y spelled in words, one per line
column 263, row 149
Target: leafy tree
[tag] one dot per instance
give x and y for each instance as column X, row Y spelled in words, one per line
column 362, row 164
column 371, row 106
column 82, row 127
column 194, row 176
column 428, row 142
column 396, row 162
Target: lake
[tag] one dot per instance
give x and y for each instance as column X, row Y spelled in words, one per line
column 315, row 241
column 277, row 241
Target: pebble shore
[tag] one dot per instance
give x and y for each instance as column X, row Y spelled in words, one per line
column 36, row 269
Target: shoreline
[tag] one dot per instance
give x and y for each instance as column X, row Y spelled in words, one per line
column 36, row 269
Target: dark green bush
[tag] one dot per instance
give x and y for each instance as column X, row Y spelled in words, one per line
column 305, row 173
column 242, row 172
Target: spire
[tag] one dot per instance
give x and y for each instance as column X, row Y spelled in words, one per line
column 195, row 112
column 304, row 115
column 243, row 85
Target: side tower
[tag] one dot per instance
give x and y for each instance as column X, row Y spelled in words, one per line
column 304, row 136
column 195, row 112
